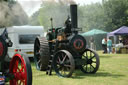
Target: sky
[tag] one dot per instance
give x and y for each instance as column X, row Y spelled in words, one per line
column 30, row 6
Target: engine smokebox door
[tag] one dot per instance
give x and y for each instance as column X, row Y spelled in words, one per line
column 78, row 43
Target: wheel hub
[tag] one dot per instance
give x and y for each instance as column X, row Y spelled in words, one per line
column 89, row 61
column 19, row 76
column 62, row 64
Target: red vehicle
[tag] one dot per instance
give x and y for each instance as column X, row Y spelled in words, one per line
column 17, row 70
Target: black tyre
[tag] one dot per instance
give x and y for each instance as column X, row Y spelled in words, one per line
column 63, row 63
column 92, row 61
column 41, row 53
column 29, row 70
column 20, row 67
column 3, row 49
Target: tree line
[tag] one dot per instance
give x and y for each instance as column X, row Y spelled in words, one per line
column 108, row 15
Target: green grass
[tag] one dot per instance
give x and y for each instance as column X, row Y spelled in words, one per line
column 113, row 71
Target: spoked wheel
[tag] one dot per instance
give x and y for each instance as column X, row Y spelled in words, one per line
column 92, row 61
column 21, row 69
column 63, row 63
column 3, row 49
column 41, row 53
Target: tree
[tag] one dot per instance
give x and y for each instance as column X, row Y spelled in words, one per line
column 11, row 13
column 34, row 20
column 116, row 12
column 91, row 16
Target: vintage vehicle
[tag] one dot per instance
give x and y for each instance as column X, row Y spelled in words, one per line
column 64, row 50
column 16, row 70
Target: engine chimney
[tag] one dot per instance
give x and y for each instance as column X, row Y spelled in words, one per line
column 73, row 10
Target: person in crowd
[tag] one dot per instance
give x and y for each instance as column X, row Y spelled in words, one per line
column 120, row 39
column 104, row 45
column 92, row 43
column 109, row 45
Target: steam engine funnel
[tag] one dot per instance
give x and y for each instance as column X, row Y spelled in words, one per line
column 73, row 10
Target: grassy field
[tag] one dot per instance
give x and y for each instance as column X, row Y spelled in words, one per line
column 113, row 71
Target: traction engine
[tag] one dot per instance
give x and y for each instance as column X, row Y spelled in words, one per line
column 16, row 71
column 64, row 50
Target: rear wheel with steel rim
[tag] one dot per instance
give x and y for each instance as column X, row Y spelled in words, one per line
column 21, row 69
column 41, row 53
column 63, row 63
column 92, row 61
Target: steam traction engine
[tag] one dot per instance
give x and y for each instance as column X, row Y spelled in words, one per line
column 16, row 70
column 64, row 50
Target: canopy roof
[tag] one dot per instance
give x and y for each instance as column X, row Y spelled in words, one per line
column 121, row 31
column 94, row 32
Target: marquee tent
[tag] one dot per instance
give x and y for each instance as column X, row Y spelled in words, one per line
column 93, row 32
column 121, row 31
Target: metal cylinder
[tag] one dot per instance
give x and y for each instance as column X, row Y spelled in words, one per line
column 73, row 10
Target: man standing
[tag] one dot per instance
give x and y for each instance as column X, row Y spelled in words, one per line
column 92, row 43
column 104, row 45
column 109, row 45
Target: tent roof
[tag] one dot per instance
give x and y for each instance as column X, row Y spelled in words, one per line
column 121, row 31
column 94, row 32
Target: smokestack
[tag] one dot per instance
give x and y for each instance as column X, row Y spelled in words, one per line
column 73, row 9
